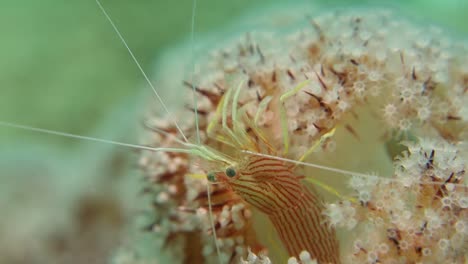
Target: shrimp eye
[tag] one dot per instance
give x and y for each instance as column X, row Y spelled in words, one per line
column 211, row 177
column 231, row 172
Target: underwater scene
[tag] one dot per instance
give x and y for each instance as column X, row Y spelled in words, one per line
column 202, row 131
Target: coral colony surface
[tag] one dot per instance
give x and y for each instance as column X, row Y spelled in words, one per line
column 375, row 93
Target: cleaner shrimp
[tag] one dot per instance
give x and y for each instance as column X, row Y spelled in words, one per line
column 258, row 127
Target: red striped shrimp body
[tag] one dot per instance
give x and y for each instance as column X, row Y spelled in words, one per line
column 266, row 183
column 294, row 210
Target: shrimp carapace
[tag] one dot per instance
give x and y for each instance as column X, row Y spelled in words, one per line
column 295, row 210
column 271, row 186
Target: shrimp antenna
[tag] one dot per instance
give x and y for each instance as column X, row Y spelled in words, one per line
column 195, row 107
column 140, row 68
column 192, row 51
column 322, row 167
column 212, row 225
column 100, row 140
column 161, row 101
column 327, row 168
column 192, row 149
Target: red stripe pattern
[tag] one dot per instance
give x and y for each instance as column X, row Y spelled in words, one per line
column 295, row 211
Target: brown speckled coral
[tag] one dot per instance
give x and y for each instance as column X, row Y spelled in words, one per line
column 372, row 76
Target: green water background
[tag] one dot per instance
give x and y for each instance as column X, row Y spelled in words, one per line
column 63, row 68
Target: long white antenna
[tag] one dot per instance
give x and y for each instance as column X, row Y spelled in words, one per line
column 69, row 135
column 161, row 101
column 197, row 127
column 192, row 39
column 322, row 167
column 345, row 172
column 211, row 219
column 140, row 68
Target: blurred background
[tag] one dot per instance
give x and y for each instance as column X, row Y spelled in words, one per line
column 63, row 68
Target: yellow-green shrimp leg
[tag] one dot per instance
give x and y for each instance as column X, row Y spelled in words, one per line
column 318, row 143
column 239, row 131
column 329, row 189
column 225, row 113
column 197, row 176
column 261, row 108
column 235, row 101
column 237, row 136
column 283, row 119
column 212, row 124
column 221, row 111
column 322, row 185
